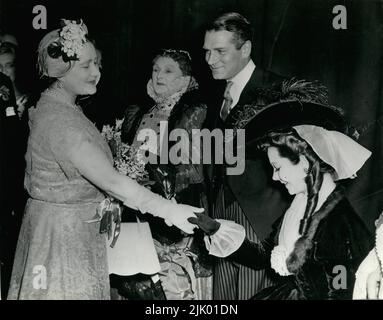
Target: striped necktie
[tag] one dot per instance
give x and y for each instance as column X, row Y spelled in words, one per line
column 228, row 100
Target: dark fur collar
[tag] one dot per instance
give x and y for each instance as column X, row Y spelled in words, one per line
column 305, row 243
column 190, row 100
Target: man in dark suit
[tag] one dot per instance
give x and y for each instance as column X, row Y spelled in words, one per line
column 250, row 198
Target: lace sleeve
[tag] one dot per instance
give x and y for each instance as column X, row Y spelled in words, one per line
column 226, row 240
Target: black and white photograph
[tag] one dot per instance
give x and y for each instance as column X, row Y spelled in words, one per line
column 207, row 151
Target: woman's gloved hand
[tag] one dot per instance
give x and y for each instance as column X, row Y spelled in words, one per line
column 179, row 215
column 173, row 213
column 205, row 223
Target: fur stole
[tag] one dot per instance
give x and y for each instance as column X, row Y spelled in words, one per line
column 304, row 244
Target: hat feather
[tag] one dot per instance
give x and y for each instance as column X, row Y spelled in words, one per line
column 304, row 91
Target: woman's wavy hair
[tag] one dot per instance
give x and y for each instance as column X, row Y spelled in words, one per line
column 290, row 145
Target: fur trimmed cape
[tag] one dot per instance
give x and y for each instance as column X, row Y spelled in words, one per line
column 336, row 237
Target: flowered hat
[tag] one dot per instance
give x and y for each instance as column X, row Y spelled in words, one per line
column 61, row 47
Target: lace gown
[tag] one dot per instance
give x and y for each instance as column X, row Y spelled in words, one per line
column 60, row 255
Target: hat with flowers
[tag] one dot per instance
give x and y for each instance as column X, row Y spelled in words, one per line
column 61, row 47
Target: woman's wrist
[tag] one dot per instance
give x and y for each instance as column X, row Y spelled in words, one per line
column 152, row 203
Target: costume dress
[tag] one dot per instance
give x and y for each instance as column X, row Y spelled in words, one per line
column 322, row 263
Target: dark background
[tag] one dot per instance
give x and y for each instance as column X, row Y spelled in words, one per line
column 292, row 38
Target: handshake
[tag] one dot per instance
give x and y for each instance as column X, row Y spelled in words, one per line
column 208, row 225
column 187, row 218
column 183, row 216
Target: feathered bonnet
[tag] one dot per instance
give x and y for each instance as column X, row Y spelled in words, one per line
column 303, row 106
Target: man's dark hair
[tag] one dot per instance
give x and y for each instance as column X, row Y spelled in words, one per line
column 236, row 23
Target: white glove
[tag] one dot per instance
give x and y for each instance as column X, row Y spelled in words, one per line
column 177, row 214
column 172, row 213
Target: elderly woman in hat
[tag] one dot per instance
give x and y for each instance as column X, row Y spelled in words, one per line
column 318, row 244
column 60, row 253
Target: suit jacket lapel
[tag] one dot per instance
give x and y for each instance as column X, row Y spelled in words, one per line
column 256, row 80
column 245, row 97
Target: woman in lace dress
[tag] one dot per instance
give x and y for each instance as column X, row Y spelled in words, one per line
column 60, row 252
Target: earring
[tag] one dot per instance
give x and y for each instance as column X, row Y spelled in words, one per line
column 306, row 170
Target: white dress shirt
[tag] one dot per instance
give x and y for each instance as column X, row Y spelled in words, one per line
column 239, row 82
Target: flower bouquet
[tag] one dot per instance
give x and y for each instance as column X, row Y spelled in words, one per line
column 126, row 160
column 129, row 161
column 163, row 179
column 135, row 252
